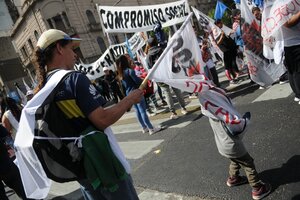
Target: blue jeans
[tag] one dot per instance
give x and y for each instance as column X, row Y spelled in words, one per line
column 126, row 191
column 140, row 110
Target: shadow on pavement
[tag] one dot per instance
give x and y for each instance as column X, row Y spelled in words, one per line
column 182, row 118
column 76, row 195
column 297, row 197
column 242, row 90
column 288, row 173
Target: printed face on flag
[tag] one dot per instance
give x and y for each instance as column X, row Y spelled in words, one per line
column 184, row 59
column 207, row 23
column 261, row 70
column 182, row 67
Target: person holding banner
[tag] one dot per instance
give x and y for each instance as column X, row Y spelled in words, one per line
column 257, row 14
column 229, row 140
column 229, row 48
column 66, row 147
column 131, row 82
column 291, row 37
column 207, row 59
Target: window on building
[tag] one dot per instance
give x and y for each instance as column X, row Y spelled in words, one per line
column 101, row 44
column 59, row 24
column 30, row 44
column 115, row 39
column 24, row 52
column 51, row 25
column 90, row 17
column 36, row 35
column 64, row 15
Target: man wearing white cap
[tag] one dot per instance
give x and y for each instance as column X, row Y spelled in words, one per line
column 70, row 130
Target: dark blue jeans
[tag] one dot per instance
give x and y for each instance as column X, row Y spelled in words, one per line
column 126, row 191
column 11, row 177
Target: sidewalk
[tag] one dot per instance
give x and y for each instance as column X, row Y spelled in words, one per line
column 71, row 191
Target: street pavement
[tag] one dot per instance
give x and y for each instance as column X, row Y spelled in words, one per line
column 182, row 161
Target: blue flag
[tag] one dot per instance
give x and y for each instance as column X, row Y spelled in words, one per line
column 128, row 48
column 220, row 9
column 259, row 3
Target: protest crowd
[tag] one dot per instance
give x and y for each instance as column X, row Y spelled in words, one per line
column 157, row 69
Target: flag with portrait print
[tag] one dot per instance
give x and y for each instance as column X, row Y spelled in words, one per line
column 262, row 70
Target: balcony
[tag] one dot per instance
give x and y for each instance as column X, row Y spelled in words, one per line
column 70, row 31
column 94, row 27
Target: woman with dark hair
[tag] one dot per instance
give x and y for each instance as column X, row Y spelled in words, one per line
column 11, row 115
column 72, row 135
column 130, row 82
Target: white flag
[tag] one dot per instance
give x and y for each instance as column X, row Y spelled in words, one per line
column 182, row 67
column 26, row 86
column 261, row 70
column 277, row 15
column 22, row 96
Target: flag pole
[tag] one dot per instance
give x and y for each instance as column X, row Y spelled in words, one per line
column 170, row 45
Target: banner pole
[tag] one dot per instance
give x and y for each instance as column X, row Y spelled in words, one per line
column 170, row 45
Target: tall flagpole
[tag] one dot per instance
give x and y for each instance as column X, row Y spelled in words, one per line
column 170, row 45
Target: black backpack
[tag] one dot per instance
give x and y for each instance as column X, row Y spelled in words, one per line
column 55, row 155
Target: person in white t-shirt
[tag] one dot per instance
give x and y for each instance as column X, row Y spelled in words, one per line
column 291, row 36
column 11, row 116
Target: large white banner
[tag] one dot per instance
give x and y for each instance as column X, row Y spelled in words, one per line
column 95, row 70
column 261, row 70
column 128, row 19
column 274, row 17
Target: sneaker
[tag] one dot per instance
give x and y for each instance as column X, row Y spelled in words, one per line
column 193, row 97
column 236, row 180
column 235, row 81
column 145, row 130
column 153, row 114
column 283, row 82
column 261, row 191
column 247, row 115
column 261, row 87
column 184, row 111
column 154, row 130
column 173, row 116
column 296, row 99
column 164, row 103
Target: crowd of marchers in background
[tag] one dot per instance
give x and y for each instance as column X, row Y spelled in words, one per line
column 123, row 83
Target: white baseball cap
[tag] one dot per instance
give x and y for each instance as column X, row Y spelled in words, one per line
column 53, row 35
column 105, row 68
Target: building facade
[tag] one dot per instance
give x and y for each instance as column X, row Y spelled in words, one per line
column 77, row 18
column 11, row 69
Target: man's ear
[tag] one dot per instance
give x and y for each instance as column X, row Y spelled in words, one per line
column 59, row 48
